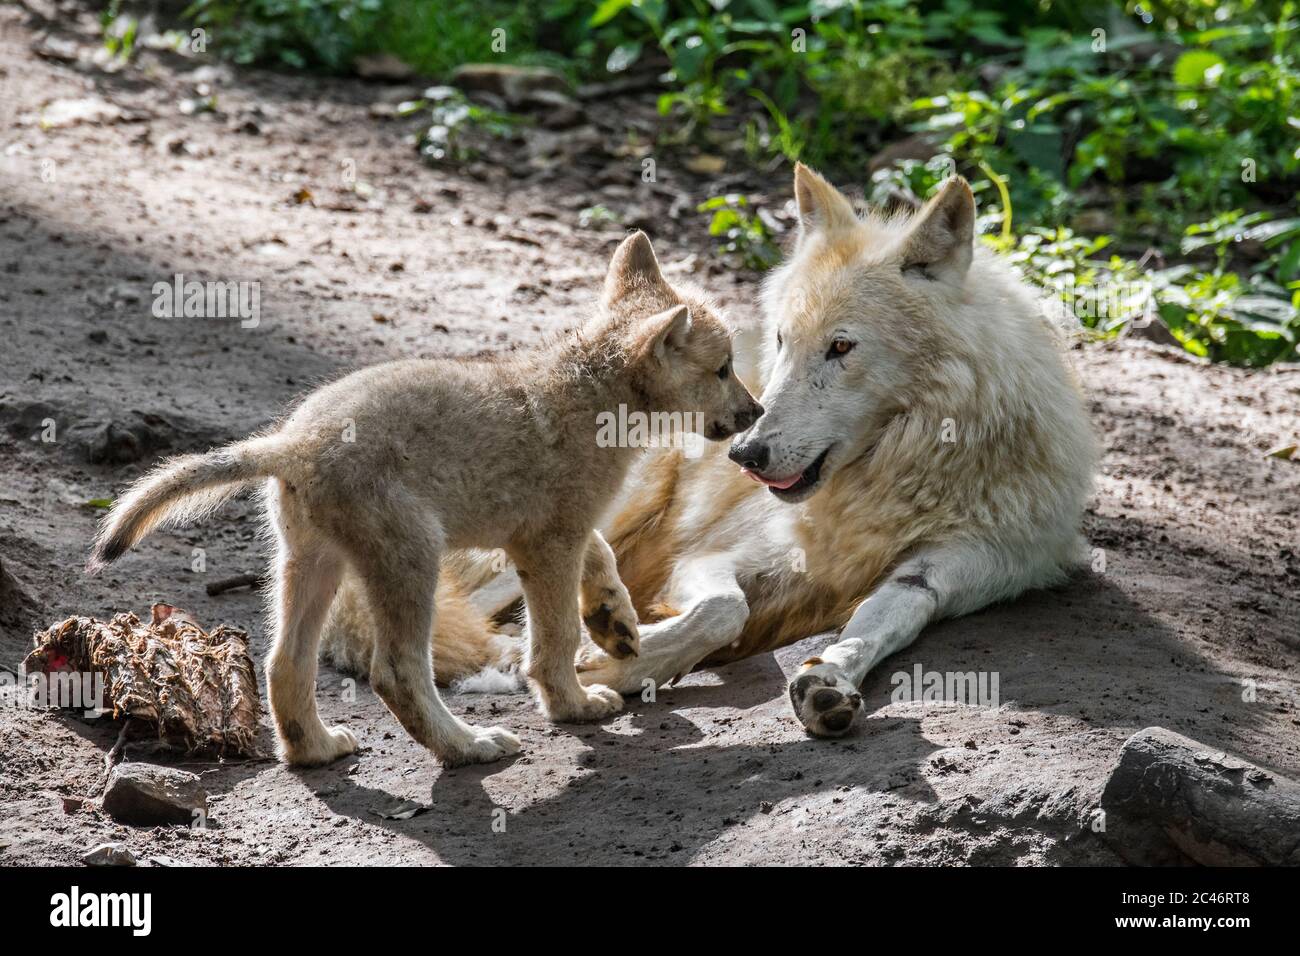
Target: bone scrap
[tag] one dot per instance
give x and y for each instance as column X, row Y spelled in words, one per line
column 197, row 687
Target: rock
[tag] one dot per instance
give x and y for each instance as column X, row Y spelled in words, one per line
column 109, row 854
column 1153, row 330
column 706, row 164
column 31, row 419
column 557, row 110
column 63, row 49
column 213, row 74
column 1094, row 222
column 1170, row 800
column 512, row 83
column 921, row 147
column 121, row 440
column 383, row 67
column 110, row 442
column 91, row 109
column 143, row 794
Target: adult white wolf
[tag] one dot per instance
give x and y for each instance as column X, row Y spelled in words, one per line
column 924, row 452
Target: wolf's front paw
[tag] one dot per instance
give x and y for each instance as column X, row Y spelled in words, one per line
column 824, row 699
column 595, row 702
column 612, row 623
column 481, row 745
column 317, row 750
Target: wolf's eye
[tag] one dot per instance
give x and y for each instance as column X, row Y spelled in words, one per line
column 839, row 347
column 725, row 370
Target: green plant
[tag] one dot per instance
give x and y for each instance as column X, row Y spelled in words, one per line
column 458, row 129
column 299, row 33
column 119, row 31
column 740, row 232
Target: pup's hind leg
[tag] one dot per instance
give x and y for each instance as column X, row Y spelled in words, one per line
column 400, row 580
column 550, row 575
column 307, row 573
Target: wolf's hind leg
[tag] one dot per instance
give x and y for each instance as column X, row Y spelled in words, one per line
column 400, row 581
column 307, row 573
column 714, row 615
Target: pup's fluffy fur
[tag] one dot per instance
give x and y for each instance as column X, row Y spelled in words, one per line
column 382, row 472
column 958, row 457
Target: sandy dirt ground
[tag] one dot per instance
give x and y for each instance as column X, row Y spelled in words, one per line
column 1197, row 602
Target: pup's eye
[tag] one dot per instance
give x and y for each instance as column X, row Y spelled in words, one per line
column 839, row 347
column 725, row 370
column 779, row 341
column 918, row 269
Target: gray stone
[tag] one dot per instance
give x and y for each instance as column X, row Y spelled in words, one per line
column 109, row 854
column 515, row 84
column 147, row 795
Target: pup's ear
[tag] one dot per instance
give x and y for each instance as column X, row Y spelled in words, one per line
column 821, row 205
column 665, row 331
column 939, row 241
column 633, row 264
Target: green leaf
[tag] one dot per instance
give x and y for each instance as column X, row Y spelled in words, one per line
column 608, row 11
column 1198, row 68
column 623, row 56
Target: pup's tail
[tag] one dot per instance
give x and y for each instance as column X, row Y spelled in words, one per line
column 180, row 491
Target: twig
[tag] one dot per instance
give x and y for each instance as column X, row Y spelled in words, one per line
column 115, row 751
column 238, row 581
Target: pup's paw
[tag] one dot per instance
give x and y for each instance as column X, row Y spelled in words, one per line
column 612, row 623
column 595, row 702
column 324, row 747
column 824, row 699
column 481, row 745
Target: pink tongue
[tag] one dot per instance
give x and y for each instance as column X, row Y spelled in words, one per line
column 783, row 484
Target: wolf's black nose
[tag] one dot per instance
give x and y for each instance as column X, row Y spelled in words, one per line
column 751, row 455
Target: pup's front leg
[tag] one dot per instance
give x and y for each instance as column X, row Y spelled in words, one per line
column 606, row 605
column 714, row 615
column 550, row 575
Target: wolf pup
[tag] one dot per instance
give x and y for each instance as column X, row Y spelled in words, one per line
column 383, row 471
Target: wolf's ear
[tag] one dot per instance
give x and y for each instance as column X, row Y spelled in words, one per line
column 821, row 205
column 667, row 330
column 633, row 264
column 939, row 241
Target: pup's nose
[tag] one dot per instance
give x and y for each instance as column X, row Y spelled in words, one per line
column 751, row 455
column 750, row 415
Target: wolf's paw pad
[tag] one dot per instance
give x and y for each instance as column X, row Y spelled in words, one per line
column 596, row 703
column 485, row 745
column 613, row 626
column 825, row 700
